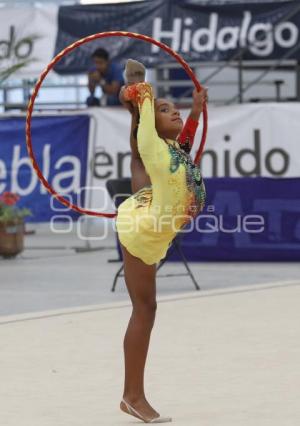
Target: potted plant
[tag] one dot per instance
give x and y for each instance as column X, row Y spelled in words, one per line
column 11, row 225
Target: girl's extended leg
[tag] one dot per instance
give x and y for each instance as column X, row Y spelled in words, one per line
column 141, row 285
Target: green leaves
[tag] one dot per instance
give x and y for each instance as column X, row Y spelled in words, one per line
column 5, row 74
column 10, row 214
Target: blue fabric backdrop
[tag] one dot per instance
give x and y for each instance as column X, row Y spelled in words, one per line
column 60, row 145
column 245, row 219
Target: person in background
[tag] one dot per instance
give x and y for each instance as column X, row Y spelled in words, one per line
column 108, row 75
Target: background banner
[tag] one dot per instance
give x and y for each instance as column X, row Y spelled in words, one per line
column 253, row 207
column 214, row 31
column 61, row 148
column 248, row 140
column 27, row 35
column 246, row 219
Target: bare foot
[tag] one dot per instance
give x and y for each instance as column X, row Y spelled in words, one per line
column 142, row 406
column 134, row 71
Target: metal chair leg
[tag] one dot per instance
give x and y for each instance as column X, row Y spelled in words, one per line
column 116, row 277
column 179, row 249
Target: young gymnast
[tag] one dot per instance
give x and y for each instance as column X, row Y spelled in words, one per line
column 168, row 192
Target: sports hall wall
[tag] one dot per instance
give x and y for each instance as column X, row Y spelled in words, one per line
column 250, row 166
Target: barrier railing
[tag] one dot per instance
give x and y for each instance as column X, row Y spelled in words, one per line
column 75, row 99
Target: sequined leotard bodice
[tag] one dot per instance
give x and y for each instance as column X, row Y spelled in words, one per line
column 148, row 221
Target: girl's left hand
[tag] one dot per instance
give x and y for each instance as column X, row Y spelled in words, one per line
column 127, row 104
column 199, row 98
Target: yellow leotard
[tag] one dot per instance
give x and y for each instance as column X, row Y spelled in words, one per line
column 148, row 221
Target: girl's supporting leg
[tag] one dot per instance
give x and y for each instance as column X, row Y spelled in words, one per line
column 141, row 285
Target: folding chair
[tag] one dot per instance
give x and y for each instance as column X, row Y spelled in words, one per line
column 119, row 190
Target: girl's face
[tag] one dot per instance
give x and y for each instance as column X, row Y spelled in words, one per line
column 167, row 119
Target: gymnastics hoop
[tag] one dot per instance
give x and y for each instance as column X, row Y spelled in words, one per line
column 50, row 66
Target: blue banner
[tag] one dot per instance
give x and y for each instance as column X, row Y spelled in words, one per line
column 245, row 219
column 60, row 146
column 199, row 31
column 255, row 219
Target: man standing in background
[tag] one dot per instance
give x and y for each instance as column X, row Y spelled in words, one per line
column 108, row 75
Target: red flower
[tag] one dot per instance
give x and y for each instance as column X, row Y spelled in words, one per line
column 9, row 198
